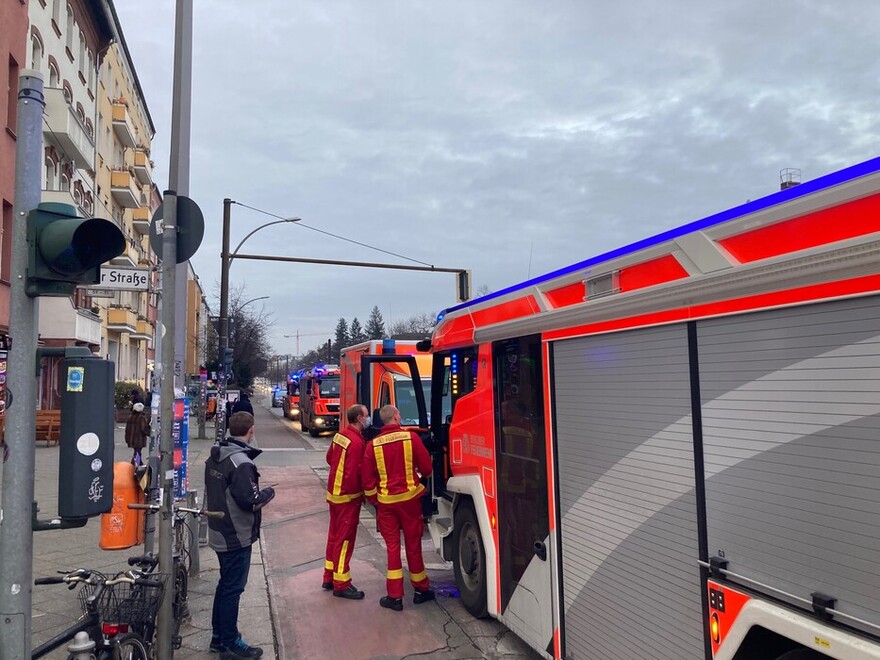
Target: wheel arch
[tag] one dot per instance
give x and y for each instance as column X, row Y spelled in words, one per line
column 469, row 488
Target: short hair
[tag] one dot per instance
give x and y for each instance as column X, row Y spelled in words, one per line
column 354, row 412
column 240, row 423
column 387, row 413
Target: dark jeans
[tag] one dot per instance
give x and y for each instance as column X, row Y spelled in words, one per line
column 234, row 567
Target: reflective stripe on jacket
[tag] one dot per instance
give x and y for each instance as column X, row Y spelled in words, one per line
column 394, row 463
column 344, row 456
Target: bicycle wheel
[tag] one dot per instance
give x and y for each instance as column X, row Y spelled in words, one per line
column 184, row 544
column 130, row 646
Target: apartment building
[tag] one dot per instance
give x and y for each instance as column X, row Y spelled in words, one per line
column 13, row 36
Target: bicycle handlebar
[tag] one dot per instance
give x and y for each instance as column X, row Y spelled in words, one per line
column 180, row 509
column 147, row 560
column 49, row 580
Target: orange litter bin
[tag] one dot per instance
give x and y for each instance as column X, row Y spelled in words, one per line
column 122, row 527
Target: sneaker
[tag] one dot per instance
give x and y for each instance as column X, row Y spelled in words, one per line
column 420, row 597
column 216, row 646
column 327, row 585
column 241, row 649
column 395, row 604
column 352, row 593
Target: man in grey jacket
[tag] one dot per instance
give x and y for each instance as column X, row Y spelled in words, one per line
column 232, row 485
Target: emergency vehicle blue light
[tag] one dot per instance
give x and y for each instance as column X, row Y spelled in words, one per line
column 806, row 188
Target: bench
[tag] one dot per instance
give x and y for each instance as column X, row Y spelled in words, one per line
column 48, row 427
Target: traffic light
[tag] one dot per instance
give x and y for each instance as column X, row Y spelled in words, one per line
column 463, row 285
column 65, row 250
column 227, row 359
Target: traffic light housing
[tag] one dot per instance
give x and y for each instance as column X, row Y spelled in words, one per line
column 65, row 250
column 227, row 359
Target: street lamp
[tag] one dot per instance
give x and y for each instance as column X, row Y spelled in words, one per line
column 223, row 330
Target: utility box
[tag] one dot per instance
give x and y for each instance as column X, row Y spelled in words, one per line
column 85, row 472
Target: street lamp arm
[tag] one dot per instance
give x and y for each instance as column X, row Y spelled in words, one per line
column 268, row 224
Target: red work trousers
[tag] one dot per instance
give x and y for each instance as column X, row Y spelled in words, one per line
column 340, row 543
column 405, row 517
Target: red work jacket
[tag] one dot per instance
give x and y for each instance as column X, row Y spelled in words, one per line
column 344, row 456
column 394, row 461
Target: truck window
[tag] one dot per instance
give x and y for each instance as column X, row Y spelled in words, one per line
column 330, row 387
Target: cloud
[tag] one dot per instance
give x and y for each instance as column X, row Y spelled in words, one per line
column 509, row 137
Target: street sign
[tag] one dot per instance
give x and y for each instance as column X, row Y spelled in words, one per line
column 101, row 293
column 124, row 279
column 190, row 229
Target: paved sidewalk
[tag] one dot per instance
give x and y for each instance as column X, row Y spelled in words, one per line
column 55, row 608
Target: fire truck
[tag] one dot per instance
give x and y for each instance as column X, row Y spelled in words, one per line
column 389, row 365
column 290, row 403
column 672, row 450
column 319, row 399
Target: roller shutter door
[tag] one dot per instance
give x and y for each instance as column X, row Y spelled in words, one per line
column 791, row 423
column 631, row 586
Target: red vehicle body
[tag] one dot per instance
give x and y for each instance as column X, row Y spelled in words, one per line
column 319, row 400
column 290, row 404
column 670, row 450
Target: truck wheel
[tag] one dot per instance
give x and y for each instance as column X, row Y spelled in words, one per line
column 302, row 424
column 469, row 560
column 314, row 433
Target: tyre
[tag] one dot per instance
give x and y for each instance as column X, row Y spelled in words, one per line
column 314, row 433
column 130, row 646
column 802, row 654
column 302, row 424
column 184, row 543
column 469, row 560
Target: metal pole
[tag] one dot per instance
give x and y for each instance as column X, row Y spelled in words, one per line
column 192, row 524
column 223, row 324
column 178, row 178
column 166, row 446
column 16, row 536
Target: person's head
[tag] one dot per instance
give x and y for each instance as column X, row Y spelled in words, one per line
column 138, row 407
column 241, row 426
column 389, row 415
column 358, row 414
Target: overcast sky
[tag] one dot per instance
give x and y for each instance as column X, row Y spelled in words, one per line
column 510, row 137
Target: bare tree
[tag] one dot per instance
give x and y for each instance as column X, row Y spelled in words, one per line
column 418, row 324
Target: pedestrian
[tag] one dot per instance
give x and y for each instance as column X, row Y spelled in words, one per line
column 395, row 489
column 244, row 402
column 135, row 396
column 137, row 430
column 345, row 496
column 232, row 485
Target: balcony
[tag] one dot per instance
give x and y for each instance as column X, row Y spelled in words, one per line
column 62, row 197
column 60, row 320
column 140, row 218
column 123, row 126
column 128, row 259
column 143, row 168
column 66, row 130
column 124, row 189
column 144, row 331
column 121, row 320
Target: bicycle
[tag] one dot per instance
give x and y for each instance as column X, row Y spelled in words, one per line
column 116, row 613
column 181, row 549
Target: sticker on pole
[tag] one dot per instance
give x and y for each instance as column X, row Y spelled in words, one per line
column 87, row 444
column 75, row 378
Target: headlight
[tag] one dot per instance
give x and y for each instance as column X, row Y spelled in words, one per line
column 319, row 421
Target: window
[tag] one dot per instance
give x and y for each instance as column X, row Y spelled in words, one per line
column 36, row 52
column 65, row 182
column 56, row 11
column 54, row 78
column 68, row 92
column 51, row 173
column 70, row 32
column 91, row 64
column 12, row 94
column 6, row 244
column 82, row 51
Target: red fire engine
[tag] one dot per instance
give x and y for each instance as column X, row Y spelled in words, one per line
column 671, row 450
column 319, row 400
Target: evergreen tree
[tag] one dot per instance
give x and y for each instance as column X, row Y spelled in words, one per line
column 343, row 339
column 375, row 328
column 355, row 332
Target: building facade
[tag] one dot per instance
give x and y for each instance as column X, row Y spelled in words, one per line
column 13, row 36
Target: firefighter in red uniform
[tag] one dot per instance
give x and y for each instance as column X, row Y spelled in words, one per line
column 345, row 496
column 394, row 463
